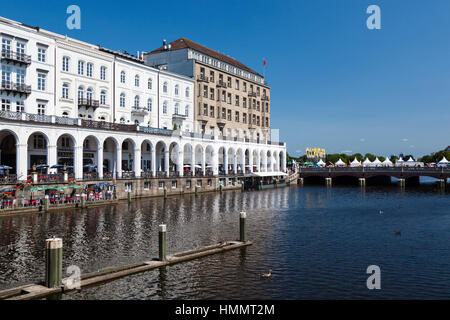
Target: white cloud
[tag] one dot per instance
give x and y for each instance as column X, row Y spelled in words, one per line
column 405, row 140
column 362, row 139
column 346, row 151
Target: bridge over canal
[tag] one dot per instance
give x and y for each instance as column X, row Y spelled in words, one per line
column 378, row 175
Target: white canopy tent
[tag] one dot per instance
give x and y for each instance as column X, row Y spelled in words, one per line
column 355, row 163
column 387, row 163
column 443, row 163
column 340, row 163
column 376, row 162
column 399, row 162
column 321, row 163
column 411, row 159
column 367, row 163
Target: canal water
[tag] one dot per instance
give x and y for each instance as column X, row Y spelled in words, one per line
column 318, row 241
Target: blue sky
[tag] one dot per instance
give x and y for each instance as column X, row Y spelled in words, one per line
column 334, row 83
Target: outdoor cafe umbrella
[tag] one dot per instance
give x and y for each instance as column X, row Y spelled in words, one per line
column 57, row 166
column 4, row 167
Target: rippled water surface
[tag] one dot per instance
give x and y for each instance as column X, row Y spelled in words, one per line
column 318, row 241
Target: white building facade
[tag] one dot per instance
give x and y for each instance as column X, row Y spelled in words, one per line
column 101, row 114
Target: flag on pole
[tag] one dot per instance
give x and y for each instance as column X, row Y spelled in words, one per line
column 265, row 62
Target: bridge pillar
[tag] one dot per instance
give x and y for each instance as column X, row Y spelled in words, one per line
column 401, row 182
column 301, row 181
column 442, row 183
column 328, row 182
column 362, row 182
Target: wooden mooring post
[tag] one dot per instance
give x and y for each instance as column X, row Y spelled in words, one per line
column 53, row 262
column 162, row 242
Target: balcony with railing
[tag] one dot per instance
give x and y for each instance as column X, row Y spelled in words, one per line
column 136, row 111
column 252, row 94
column 202, row 77
column 265, row 98
column 178, row 116
column 15, row 57
column 221, row 84
column 15, row 88
column 88, row 103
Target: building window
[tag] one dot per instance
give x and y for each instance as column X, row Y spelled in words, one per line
column 186, row 111
column 229, row 115
column 205, row 109
column 80, row 67
column 103, row 97
column 39, row 142
column 244, row 118
column 229, row 98
column 136, row 102
column 211, row 93
column 237, row 84
column 65, row 64
column 244, row 86
column 136, row 81
column 165, row 107
column 122, row 120
column 229, row 82
column 102, row 73
column 187, row 92
column 41, row 108
column 42, row 77
column 211, row 76
column 42, row 54
column 149, row 104
column 205, row 91
column 177, row 107
column 237, row 101
column 89, row 94
column 20, row 106
column 65, row 91
column 20, row 76
column 211, row 111
column 165, row 87
column 236, row 117
column 89, row 68
column 147, row 185
column 122, row 77
column 224, row 113
column 6, row 46
column 6, row 105
column 80, row 93
column 150, row 83
column 177, row 90
column 267, row 122
column 122, row 100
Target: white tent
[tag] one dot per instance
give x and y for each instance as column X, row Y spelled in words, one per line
column 376, row 162
column 355, row 163
column 411, row 159
column 340, row 163
column 367, row 163
column 444, row 160
column 443, row 163
column 321, row 163
column 387, row 163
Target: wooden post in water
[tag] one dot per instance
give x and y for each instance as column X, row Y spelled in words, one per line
column 165, row 193
column 46, row 203
column 53, row 262
column 242, row 233
column 83, row 200
column 362, row 182
column 196, row 190
column 129, row 196
column 162, row 242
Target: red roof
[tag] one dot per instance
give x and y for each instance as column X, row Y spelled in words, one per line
column 183, row 43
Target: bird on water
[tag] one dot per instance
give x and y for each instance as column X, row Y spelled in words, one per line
column 267, row 275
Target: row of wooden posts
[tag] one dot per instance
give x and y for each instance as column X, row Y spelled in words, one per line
column 54, row 257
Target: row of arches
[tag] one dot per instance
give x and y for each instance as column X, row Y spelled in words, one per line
column 110, row 156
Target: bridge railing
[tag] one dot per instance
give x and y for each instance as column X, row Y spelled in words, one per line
column 375, row 169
